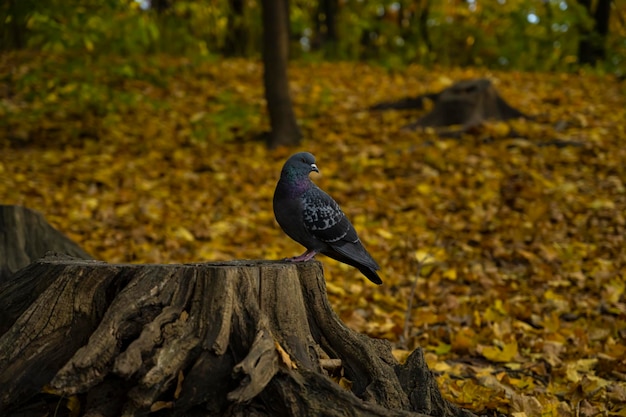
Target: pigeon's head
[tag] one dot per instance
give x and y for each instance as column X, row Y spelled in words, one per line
column 299, row 165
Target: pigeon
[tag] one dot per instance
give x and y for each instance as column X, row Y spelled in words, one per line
column 312, row 218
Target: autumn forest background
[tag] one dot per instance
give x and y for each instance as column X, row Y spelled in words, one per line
column 139, row 129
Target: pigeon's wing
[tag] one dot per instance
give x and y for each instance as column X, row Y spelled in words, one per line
column 324, row 219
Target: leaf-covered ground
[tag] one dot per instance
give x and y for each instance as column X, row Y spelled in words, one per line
column 514, row 246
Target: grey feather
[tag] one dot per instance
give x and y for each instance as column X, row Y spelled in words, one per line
column 312, row 218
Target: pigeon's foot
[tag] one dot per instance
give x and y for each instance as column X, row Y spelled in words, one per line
column 308, row 255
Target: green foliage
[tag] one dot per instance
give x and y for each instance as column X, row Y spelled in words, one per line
column 106, row 26
column 65, row 99
column 515, row 34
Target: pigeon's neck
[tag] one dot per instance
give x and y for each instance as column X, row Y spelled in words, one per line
column 296, row 182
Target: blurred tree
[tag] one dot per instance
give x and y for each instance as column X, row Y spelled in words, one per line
column 423, row 24
column 236, row 40
column 14, row 15
column 160, row 5
column 592, row 42
column 284, row 129
column 326, row 26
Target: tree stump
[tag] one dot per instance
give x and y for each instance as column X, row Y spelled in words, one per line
column 241, row 338
column 25, row 236
column 467, row 103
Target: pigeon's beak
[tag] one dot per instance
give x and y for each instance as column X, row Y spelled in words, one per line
column 314, row 168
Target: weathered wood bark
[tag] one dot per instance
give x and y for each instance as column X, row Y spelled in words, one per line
column 230, row 339
column 467, row 103
column 26, row 236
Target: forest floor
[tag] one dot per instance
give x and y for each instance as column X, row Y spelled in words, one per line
column 508, row 248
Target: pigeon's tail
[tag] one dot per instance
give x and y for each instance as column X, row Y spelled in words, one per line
column 366, row 270
column 370, row 274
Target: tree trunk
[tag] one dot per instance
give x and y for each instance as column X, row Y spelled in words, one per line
column 236, row 42
column 230, row 339
column 424, row 13
column 284, row 129
column 14, row 16
column 26, row 236
column 161, row 6
column 326, row 36
column 592, row 44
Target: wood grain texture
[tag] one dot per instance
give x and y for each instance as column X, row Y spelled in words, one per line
column 229, row 339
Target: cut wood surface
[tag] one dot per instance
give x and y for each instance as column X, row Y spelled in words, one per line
column 229, row 339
